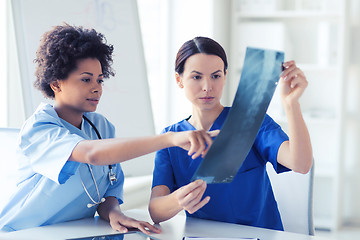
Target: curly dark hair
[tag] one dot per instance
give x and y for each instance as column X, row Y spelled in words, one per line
column 62, row 47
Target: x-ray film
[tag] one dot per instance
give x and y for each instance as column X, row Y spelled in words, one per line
column 259, row 77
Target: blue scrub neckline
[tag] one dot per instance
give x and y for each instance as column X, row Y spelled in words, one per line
column 217, row 123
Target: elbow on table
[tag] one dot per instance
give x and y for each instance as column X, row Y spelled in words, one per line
column 154, row 216
column 155, row 219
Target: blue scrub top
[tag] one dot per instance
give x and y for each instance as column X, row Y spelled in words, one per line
column 249, row 198
column 49, row 188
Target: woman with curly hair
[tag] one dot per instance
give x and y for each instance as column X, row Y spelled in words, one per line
column 68, row 156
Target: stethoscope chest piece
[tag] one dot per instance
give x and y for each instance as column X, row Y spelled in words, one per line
column 112, row 176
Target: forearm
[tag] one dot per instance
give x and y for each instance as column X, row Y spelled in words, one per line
column 163, row 208
column 111, row 151
column 110, row 206
column 299, row 157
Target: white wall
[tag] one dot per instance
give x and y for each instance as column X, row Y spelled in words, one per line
column 163, row 33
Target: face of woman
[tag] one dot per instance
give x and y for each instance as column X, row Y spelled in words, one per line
column 203, row 80
column 82, row 90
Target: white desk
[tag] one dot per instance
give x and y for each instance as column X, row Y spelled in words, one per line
column 173, row 229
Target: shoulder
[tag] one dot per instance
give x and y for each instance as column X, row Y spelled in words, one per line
column 44, row 128
column 269, row 124
column 271, row 132
column 45, row 114
column 183, row 125
column 45, row 111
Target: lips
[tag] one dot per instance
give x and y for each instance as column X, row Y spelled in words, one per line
column 94, row 100
column 207, row 99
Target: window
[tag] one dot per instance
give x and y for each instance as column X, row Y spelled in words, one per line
column 3, row 65
column 165, row 26
column 153, row 24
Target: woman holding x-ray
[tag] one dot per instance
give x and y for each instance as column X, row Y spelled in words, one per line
column 200, row 70
column 68, row 156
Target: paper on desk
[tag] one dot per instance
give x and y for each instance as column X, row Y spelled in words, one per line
column 259, row 77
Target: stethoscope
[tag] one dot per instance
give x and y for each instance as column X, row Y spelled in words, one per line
column 112, row 176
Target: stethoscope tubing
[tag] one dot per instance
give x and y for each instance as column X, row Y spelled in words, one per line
column 112, row 176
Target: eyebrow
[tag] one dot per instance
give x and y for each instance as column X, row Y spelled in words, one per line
column 216, row 71
column 202, row 73
column 88, row 73
column 197, row 72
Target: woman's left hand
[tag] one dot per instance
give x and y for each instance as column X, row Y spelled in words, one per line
column 121, row 222
column 292, row 83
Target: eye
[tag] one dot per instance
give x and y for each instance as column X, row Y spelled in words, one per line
column 216, row 76
column 196, row 77
column 85, row 79
column 100, row 81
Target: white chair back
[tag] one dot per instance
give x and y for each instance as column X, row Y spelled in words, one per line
column 294, row 195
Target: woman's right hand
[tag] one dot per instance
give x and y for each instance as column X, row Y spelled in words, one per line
column 195, row 142
column 189, row 196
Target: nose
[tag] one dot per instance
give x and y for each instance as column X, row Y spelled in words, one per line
column 207, row 86
column 96, row 88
